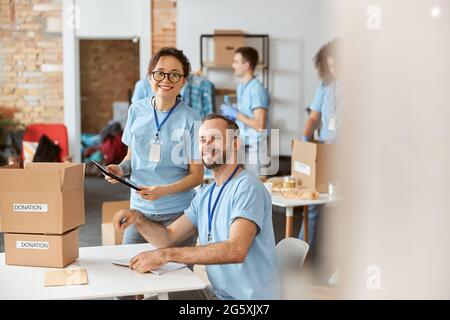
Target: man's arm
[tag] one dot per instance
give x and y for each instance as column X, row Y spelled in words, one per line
column 233, row 250
column 156, row 233
column 258, row 122
column 311, row 124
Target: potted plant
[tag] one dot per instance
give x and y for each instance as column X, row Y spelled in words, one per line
column 7, row 126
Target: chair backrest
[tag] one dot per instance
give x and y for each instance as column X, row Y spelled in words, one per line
column 291, row 253
column 33, row 133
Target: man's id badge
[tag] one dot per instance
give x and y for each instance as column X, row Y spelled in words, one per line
column 332, row 124
column 155, row 151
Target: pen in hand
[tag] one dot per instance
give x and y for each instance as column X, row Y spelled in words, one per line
column 122, row 221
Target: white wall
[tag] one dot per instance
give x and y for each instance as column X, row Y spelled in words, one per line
column 296, row 28
column 117, row 19
column 108, row 18
column 99, row 19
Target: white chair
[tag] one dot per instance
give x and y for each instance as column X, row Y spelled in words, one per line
column 291, row 253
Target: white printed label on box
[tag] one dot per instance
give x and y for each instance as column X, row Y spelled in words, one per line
column 38, row 245
column 30, row 207
column 302, row 168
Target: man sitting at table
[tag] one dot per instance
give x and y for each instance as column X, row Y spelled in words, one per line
column 232, row 217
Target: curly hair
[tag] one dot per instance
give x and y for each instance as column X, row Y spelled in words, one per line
column 320, row 59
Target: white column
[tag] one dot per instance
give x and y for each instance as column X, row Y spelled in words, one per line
column 72, row 114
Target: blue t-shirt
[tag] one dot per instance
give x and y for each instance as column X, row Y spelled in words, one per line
column 244, row 196
column 250, row 96
column 179, row 146
column 326, row 101
column 142, row 90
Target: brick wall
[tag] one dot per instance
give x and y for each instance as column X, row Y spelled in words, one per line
column 109, row 69
column 164, row 16
column 31, row 76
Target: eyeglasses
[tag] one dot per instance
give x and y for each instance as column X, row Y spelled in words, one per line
column 172, row 76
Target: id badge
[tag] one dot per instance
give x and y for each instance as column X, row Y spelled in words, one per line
column 155, row 151
column 332, row 124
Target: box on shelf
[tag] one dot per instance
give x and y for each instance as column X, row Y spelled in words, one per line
column 224, row 46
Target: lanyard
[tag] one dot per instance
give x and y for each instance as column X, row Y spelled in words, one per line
column 159, row 125
column 211, row 212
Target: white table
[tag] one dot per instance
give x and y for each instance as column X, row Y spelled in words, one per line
column 279, row 201
column 105, row 279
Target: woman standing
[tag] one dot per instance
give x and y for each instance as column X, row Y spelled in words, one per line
column 325, row 116
column 162, row 150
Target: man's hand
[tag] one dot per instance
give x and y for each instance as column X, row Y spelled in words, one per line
column 114, row 168
column 124, row 218
column 229, row 111
column 152, row 193
column 148, row 260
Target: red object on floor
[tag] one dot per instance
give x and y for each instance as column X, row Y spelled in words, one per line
column 56, row 132
column 113, row 149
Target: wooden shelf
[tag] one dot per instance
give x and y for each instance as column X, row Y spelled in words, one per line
column 225, row 92
column 212, row 65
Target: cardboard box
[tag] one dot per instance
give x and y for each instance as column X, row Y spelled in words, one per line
column 9, row 166
column 311, row 164
column 41, row 250
column 45, row 198
column 224, row 46
column 111, row 236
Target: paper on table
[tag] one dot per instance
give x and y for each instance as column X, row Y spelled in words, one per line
column 171, row 266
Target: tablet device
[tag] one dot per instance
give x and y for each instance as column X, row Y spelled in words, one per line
column 124, row 180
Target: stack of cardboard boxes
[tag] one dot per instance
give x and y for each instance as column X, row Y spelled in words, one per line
column 41, row 208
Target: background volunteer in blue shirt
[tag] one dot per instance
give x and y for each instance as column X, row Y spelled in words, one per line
column 142, row 90
column 232, row 217
column 324, row 114
column 160, row 135
column 251, row 114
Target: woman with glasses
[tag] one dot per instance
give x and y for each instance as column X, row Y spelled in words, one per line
column 162, row 153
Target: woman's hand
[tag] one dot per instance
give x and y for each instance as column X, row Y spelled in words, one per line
column 114, row 168
column 153, row 193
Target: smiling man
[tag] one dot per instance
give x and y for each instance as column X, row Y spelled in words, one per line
column 232, row 217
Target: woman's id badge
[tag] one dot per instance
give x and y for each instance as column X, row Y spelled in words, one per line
column 155, row 151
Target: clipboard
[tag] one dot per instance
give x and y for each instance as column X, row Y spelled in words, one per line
column 123, row 180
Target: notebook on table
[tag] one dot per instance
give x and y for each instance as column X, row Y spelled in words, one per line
column 168, row 267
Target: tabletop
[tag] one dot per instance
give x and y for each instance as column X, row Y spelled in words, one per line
column 280, row 201
column 105, row 279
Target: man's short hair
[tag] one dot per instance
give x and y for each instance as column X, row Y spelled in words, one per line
column 250, row 55
column 230, row 123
